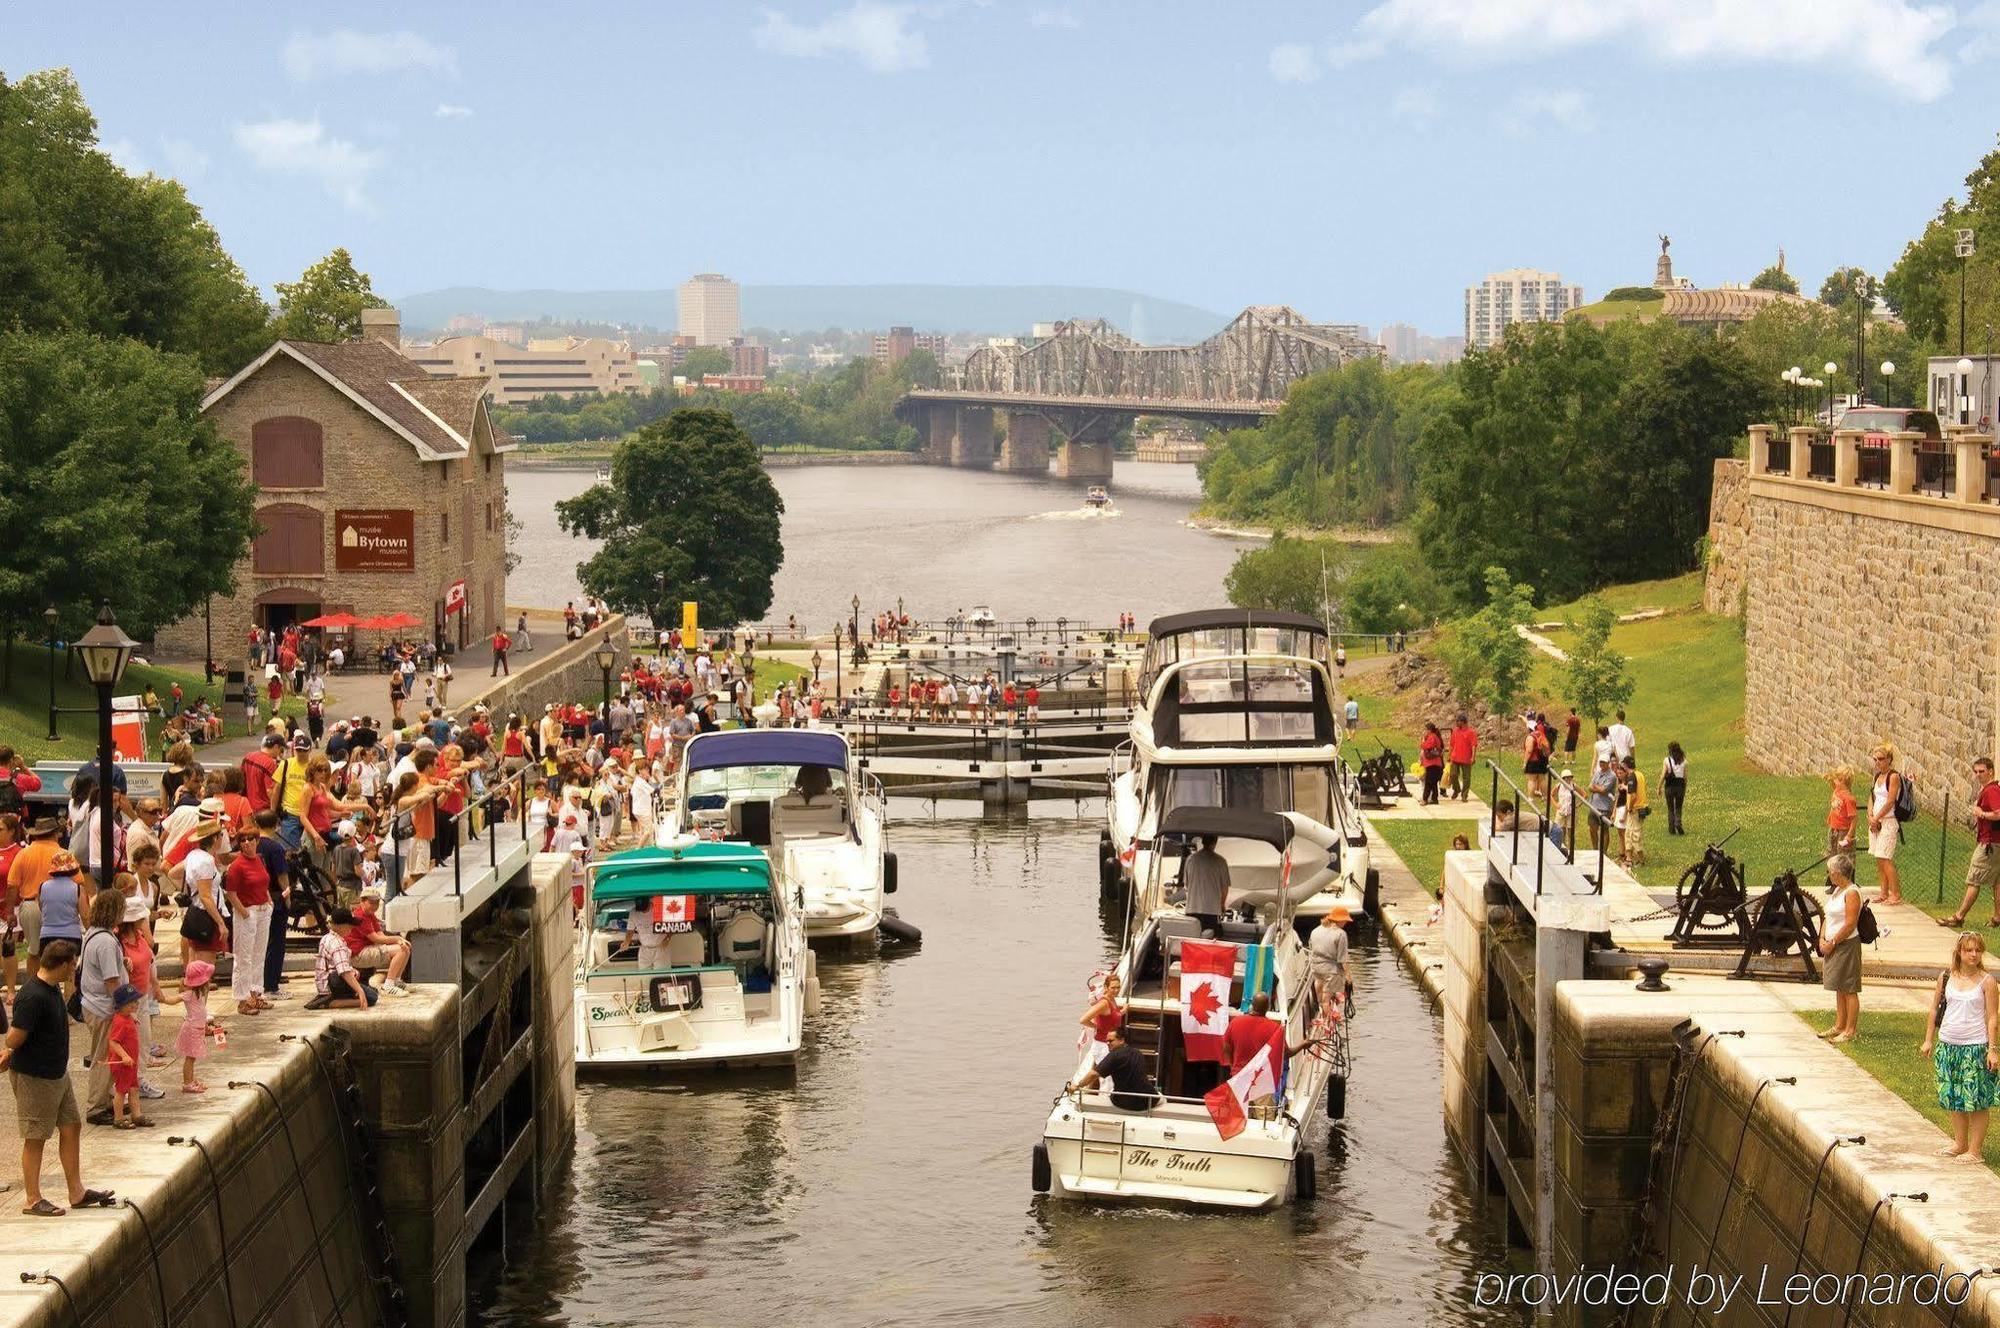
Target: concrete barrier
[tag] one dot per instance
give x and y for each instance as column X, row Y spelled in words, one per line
column 567, row 673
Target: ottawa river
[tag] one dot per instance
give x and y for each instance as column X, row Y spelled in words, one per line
column 886, row 1181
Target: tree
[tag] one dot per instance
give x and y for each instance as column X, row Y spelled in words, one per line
column 1295, row 575
column 75, row 412
column 689, row 514
column 1775, row 278
column 1922, row 287
column 704, row 360
column 1843, row 284
column 1594, row 677
column 1484, row 655
column 325, row 303
column 85, row 247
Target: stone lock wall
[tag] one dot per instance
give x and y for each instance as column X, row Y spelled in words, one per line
column 557, row 675
column 1864, row 624
column 1728, row 538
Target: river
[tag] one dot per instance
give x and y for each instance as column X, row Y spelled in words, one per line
column 942, row 540
column 886, row 1180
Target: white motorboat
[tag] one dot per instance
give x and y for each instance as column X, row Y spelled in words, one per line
column 981, row 616
column 1237, row 709
column 1097, row 496
column 690, row 954
column 798, row 796
column 1176, row 1148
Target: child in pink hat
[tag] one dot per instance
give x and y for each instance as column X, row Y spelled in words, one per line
column 196, row 1026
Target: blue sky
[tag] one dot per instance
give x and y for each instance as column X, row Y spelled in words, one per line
column 1360, row 161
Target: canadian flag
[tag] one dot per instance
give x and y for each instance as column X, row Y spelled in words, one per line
column 454, row 598
column 1206, row 967
column 1229, row 1101
column 673, row 913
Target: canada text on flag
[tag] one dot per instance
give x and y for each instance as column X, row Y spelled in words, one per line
column 672, row 913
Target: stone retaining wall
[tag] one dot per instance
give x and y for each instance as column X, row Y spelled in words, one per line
column 567, row 673
column 1864, row 624
column 1728, row 538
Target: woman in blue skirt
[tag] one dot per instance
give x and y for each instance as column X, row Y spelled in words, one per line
column 1964, row 1029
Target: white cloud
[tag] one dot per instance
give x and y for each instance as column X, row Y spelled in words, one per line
column 1568, row 109
column 1982, row 25
column 1895, row 43
column 182, row 156
column 125, row 153
column 1417, row 105
column 308, row 55
column 1293, row 63
column 878, row 35
column 304, row 148
column 1054, row 18
column 448, row 111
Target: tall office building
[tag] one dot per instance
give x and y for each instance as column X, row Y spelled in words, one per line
column 711, row 309
column 1518, row 295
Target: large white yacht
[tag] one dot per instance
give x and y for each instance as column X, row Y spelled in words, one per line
column 1237, row 709
column 689, row 954
column 797, row 796
column 1099, row 1147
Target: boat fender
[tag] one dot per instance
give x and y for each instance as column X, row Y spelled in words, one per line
column 1305, row 1177
column 1040, row 1175
column 1336, row 1097
column 1371, row 894
column 897, row 929
column 888, row 873
column 812, row 995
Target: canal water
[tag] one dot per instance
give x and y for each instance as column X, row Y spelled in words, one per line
column 886, row 1180
column 942, row 540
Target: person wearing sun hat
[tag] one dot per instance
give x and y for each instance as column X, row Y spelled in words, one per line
column 192, row 1042
column 62, row 900
column 25, row 878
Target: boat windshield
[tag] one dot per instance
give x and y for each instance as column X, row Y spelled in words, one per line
column 651, row 932
column 1306, row 789
column 1236, row 701
column 710, row 789
column 1209, row 642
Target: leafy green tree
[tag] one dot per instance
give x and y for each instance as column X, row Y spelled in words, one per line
column 1295, row 575
column 325, row 303
column 1391, row 589
column 75, row 411
column 1922, row 287
column 919, row 369
column 1775, row 278
column 689, row 514
column 1594, row 678
column 702, row 361
column 1843, row 284
column 1484, row 656
column 85, row 247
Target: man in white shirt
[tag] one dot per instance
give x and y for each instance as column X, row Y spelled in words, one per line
column 1205, row 878
column 1624, row 743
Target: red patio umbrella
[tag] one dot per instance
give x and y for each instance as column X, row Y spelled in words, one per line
column 332, row 620
column 392, row 622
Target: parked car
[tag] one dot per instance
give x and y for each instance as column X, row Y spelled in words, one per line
column 1878, row 422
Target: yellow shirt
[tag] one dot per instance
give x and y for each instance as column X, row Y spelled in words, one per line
column 290, row 776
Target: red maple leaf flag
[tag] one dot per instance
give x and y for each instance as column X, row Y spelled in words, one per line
column 1226, row 1111
column 1229, row 1101
column 1206, row 967
column 672, row 913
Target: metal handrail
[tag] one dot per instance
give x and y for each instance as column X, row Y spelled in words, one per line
column 1567, row 851
column 406, row 819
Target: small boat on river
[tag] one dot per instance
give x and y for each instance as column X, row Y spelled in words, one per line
column 1097, row 496
column 1106, row 1146
column 691, row 954
column 799, row 797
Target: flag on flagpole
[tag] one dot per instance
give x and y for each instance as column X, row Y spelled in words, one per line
column 672, row 913
column 1260, row 971
column 1229, row 1102
column 1206, row 967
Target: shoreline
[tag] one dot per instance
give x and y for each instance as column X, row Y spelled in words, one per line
column 1343, row 534
column 771, row 460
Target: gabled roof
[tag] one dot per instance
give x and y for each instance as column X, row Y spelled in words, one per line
column 431, row 414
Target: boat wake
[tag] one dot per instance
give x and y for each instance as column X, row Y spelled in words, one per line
column 1079, row 514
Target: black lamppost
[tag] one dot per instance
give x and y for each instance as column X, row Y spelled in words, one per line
column 854, row 625
column 1062, row 630
column 49, row 617
column 208, row 640
column 106, row 651
column 837, row 691
column 607, row 659
column 1831, row 369
column 1861, row 302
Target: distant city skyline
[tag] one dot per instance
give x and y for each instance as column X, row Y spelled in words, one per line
column 1361, row 169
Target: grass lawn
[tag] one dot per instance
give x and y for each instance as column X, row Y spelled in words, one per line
column 1688, row 667
column 24, row 705
column 1422, row 845
column 1887, row 1048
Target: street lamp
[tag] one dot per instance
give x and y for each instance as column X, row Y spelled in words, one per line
column 105, row 651
column 1862, row 300
column 1831, row 369
column 838, row 690
column 1888, row 368
column 49, row 617
column 854, row 627
column 1964, row 367
column 1790, row 378
column 607, row 659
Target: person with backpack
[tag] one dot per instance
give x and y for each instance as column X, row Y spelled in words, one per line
column 1892, row 803
column 16, row 783
column 1840, row 946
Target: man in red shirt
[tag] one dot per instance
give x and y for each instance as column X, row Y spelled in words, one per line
column 1983, row 871
column 1464, row 750
column 501, row 642
column 1252, row 1031
column 260, row 772
column 1034, row 698
column 375, row 948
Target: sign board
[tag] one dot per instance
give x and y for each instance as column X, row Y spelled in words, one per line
column 375, row 540
column 690, row 630
column 128, row 728
column 454, row 598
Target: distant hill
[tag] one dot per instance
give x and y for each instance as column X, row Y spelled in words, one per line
column 994, row 310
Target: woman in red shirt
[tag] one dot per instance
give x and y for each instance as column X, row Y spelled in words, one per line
column 247, row 887
column 1430, row 754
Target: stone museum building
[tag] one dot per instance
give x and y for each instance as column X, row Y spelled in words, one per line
column 380, row 490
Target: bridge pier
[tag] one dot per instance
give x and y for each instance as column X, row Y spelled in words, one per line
column 972, row 441
column 1026, row 449
column 1085, row 459
column 940, row 423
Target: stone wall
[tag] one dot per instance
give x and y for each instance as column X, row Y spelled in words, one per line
column 1868, row 617
column 566, row 673
column 1728, row 536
